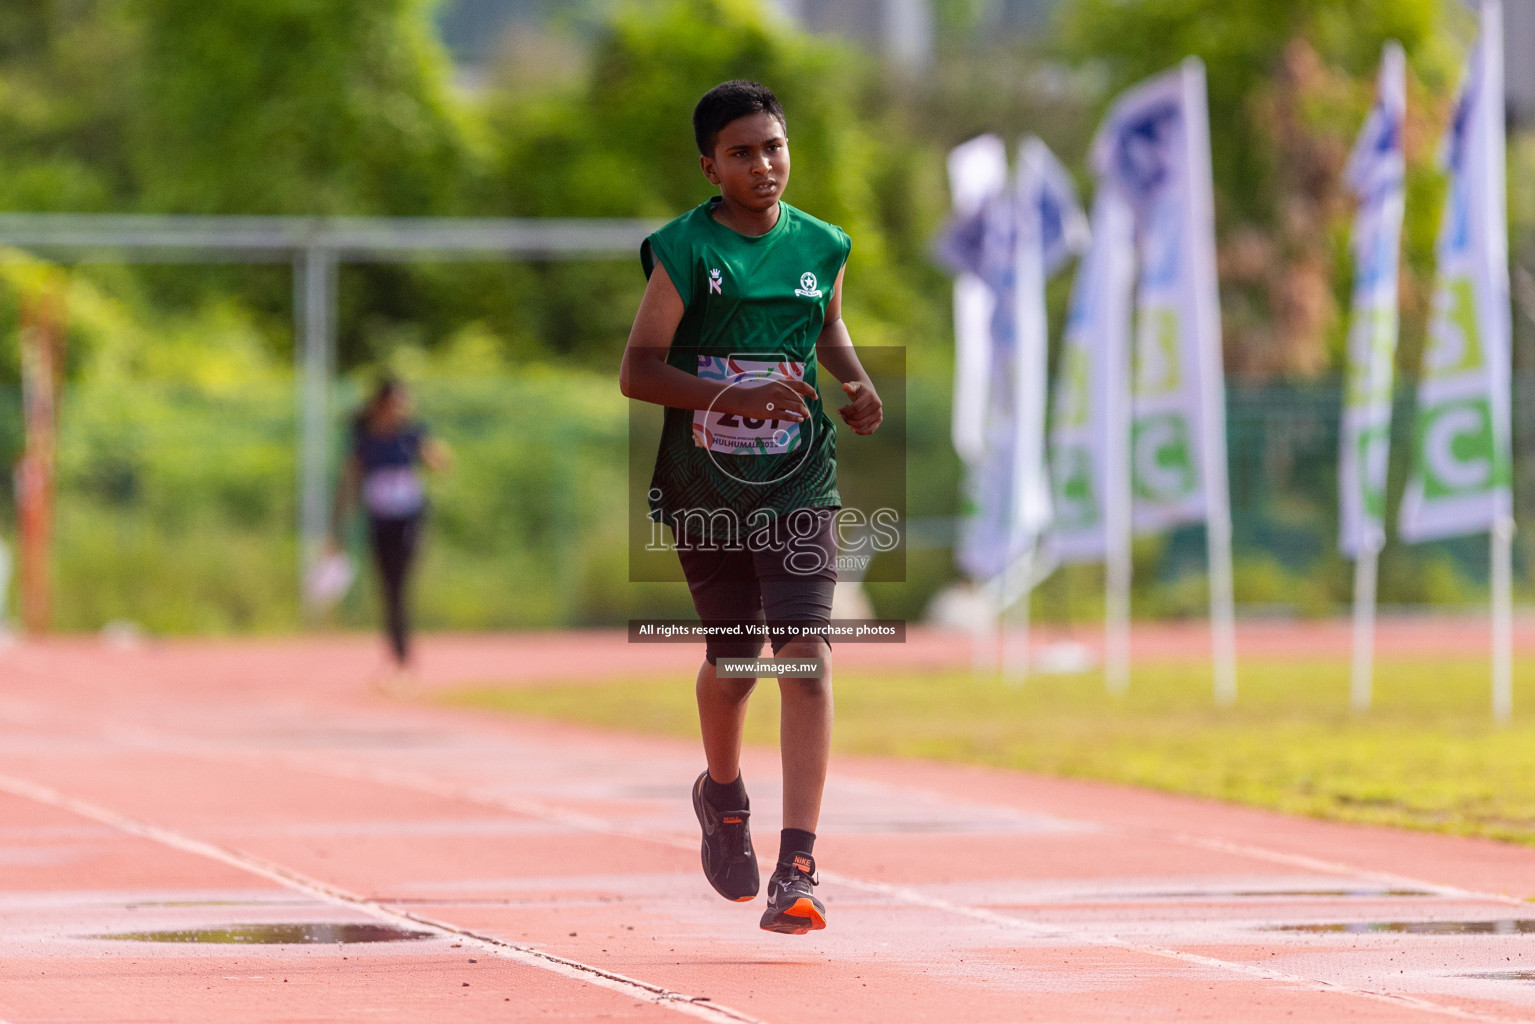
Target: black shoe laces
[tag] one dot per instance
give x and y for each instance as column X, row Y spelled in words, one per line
column 793, row 873
column 735, row 836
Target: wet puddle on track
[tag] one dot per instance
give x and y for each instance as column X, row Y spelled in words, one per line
column 1505, row 926
column 310, row 934
column 1293, row 894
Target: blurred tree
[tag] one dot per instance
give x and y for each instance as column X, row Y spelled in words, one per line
column 293, row 106
column 248, row 107
column 63, row 110
column 245, row 106
column 1289, row 84
column 339, row 107
column 622, row 145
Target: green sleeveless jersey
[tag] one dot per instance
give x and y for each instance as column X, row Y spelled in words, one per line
column 754, row 307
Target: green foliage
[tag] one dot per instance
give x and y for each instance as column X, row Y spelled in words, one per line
column 289, row 106
column 1289, row 82
column 245, row 106
column 249, row 107
column 622, row 145
column 63, row 110
column 1243, row 46
column 176, row 505
column 176, row 501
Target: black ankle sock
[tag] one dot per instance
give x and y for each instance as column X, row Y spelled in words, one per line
column 792, row 841
column 725, row 796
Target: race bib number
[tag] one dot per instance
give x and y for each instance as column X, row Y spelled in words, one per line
column 729, row 434
column 393, row 492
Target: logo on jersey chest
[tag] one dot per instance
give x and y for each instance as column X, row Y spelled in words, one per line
column 807, row 288
column 715, row 281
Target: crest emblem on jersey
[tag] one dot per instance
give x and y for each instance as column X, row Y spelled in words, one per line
column 807, row 288
column 715, row 281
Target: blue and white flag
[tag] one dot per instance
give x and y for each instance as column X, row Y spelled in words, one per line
column 1154, row 148
column 1090, row 380
column 1461, row 473
column 1050, row 229
column 977, row 178
column 1377, row 174
column 1010, row 243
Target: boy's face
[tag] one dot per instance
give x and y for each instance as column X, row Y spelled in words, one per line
column 750, row 163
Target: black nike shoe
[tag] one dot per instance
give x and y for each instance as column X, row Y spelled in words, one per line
column 791, row 904
column 730, row 863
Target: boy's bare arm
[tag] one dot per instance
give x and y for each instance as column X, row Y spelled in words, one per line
column 647, row 376
column 834, row 350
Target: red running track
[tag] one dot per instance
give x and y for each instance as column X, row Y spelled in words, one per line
column 551, row 873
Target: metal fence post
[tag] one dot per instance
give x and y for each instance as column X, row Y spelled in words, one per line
column 314, row 303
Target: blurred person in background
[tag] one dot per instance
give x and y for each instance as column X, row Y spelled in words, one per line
column 383, row 477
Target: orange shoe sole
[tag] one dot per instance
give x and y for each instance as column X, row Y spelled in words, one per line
column 809, row 919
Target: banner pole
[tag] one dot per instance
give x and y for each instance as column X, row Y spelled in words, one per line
column 1502, row 619
column 1015, row 637
column 1116, row 640
column 314, row 354
column 1212, row 391
column 41, row 346
column 1361, row 684
column 1375, row 174
column 1496, row 196
column 984, row 629
column 1118, row 567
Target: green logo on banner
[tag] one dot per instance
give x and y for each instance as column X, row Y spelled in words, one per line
column 1156, row 353
column 1457, row 346
column 1163, row 461
column 1373, row 448
column 1380, row 324
column 1456, row 450
column 1074, row 397
column 1076, row 502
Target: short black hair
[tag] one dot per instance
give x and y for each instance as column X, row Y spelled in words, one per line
column 728, row 101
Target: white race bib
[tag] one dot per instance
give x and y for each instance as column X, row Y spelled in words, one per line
column 393, row 492
column 729, row 434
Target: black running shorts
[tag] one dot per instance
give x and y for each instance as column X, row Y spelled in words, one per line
column 782, row 573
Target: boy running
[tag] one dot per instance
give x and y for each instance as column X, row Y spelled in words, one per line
column 735, row 317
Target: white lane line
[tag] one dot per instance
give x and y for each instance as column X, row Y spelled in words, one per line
column 167, row 743
column 1333, row 867
column 527, row 955
column 911, row 896
column 575, row 819
column 1296, row 860
column 900, row 894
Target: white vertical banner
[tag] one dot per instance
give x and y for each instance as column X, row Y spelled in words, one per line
column 977, row 178
column 1048, row 228
column 1094, row 359
column 1154, row 146
column 1007, row 242
column 1462, row 468
column 1090, row 423
column 977, row 175
column 1376, row 174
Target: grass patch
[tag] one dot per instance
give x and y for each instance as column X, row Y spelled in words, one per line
column 1426, row 757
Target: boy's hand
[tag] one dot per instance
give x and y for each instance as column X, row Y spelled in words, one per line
column 865, row 412
column 768, row 400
